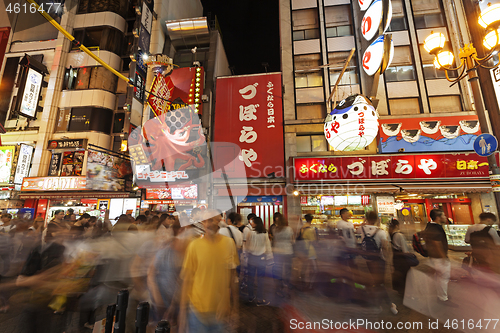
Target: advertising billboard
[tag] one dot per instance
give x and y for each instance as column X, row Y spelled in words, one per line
column 249, row 114
column 23, row 163
column 106, row 172
column 6, row 156
column 31, row 93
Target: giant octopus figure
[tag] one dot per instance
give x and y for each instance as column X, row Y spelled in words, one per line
column 168, row 143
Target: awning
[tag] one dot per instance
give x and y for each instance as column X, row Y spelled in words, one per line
column 474, row 187
column 73, row 195
column 326, row 189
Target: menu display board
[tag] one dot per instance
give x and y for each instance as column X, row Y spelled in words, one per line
column 340, row 200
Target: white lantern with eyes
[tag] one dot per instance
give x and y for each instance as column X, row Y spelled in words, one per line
column 352, row 125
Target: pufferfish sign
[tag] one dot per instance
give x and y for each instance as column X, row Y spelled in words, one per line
column 352, row 125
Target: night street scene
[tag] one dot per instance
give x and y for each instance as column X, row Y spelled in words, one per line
column 249, row 166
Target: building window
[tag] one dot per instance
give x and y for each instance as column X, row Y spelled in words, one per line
column 305, row 24
column 404, row 106
column 90, row 78
column 338, row 21
column 336, row 61
column 307, row 62
column 401, row 68
column 91, row 6
column 311, row 143
column 428, row 14
column 85, row 119
column 118, row 122
column 308, row 80
column 430, row 71
column 398, row 21
column 451, row 103
column 100, row 38
column 311, row 111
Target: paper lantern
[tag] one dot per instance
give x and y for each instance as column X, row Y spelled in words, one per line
column 352, row 125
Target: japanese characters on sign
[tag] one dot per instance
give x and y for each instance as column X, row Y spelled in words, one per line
column 385, row 205
column 6, row 156
column 189, row 192
column 31, row 93
column 65, row 144
column 162, row 176
column 23, row 163
column 53, row 183
column 249, row 114
column 391, row 167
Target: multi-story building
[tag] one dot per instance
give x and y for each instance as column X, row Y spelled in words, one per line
column 84, row 109
column 421, row 116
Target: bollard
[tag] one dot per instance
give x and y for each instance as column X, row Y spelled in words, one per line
column 142, row 317
column 121, row 311
column 110, row 317
column 163, row 327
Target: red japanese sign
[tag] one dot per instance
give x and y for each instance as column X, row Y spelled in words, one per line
column 248, row 113
column 381, row 167
column 183, row 87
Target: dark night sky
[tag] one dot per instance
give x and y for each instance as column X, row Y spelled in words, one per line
column 250, row 32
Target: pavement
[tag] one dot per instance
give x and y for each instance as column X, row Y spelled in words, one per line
column 473, row 299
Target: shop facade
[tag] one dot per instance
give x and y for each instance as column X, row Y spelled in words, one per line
column 402, row 186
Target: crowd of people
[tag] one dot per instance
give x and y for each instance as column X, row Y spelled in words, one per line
column 195, row 270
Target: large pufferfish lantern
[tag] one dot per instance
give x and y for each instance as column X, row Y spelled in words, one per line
column 352, row 125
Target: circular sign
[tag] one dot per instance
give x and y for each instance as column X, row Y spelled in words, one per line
column 352, row 125
column 406, row 211
column 374, row 54
column 373, row 18
column 485, row 144
column 364, row 4
column 53, row 144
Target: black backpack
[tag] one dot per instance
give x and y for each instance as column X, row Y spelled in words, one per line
column 369, row 245
column 481, row 240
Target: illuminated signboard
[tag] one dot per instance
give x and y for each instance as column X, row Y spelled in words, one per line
column 189, row 192
column 340, row 200
column 53, row 183
column 6, row 156
column 354, row 200
column 23, row 163
column 31, row 93
column 387, row 167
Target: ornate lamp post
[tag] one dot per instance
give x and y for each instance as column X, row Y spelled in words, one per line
column 469, row 63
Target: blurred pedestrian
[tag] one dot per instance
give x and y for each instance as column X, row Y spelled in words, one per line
column 259, row 255
column 232, row 231
column 5, row 223
column 78, row 228
column 399, row 262
column 346, row 234
column 484, row 241
column 306, row 240
column 437, row 248
column 164, row 281
column 124, row 223
column 277, row 216
column 375, row 244
column 209, row 280
column 283, row 255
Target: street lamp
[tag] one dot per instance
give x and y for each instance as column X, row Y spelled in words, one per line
column 469, row 63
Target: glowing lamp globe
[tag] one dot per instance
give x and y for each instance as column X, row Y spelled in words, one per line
column 443, row 59
column 491, row 39
column 352, row 125
column 490, row 17
column 434, row 42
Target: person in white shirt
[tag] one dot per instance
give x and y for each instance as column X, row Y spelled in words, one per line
column 259, row 253
column 400, row 265
column 376, row 262
column 5, row 223
column 232, row 231
column 347, row 235
column 483, row 249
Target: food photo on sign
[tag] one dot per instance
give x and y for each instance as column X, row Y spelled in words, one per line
column 106, row 172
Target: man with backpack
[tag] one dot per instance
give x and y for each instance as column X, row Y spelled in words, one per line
column 483, row 240
column 375, row 242
column 437, row 249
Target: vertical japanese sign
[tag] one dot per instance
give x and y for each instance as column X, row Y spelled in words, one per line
column 31, row 93
column 248, row 113
column 6, row 156
column 23, row 163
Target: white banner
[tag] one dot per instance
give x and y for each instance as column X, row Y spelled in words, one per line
column 23, row 163
column 385, row 205
column 31, row 93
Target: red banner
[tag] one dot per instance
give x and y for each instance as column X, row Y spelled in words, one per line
column 183, row 87
column 248, row 113
column 391, row 167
